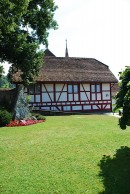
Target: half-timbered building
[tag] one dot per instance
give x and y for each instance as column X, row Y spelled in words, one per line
column 72, row 84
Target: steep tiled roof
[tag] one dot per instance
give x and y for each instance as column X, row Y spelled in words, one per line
column 71, row 69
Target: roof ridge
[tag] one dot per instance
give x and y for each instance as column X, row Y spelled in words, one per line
column 80, row 58
column 48, row 53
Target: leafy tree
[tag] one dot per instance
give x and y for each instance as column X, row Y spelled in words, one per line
column 24, row 26
column 123, row 98
column 1, row 70
column 4, row 82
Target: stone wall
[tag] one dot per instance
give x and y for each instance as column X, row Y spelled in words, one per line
column 21, row 108
column 8, row 96
column 15, row 101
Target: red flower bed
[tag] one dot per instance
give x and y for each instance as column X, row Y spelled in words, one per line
column 16, row 123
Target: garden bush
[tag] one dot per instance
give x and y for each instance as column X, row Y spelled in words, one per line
column 5, row 118
column 6, row 105
column 39, row 117
column 128, row 122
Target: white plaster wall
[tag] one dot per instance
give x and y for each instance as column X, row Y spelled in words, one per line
column 46, row 98
column 93, row 97
column 70, row 97
column 43, row 88
column 37, row 98
column 107, row 107
column 45, row 108
column 98, row 96
column 106, row 86
column 83, row 96
column 113, row 103
column 55, row 108
column 57, row 95
column 85, row 87
column 106, row 95
column 76, row 107
column 66, row 108
column 59, row 87
column 52, row 96
column 87, row 107
column 95, row 107
column 76, row 97
column 48, row 86
column 63, row 96
column 99, row 106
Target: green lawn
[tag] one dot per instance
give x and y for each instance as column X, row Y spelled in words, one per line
column 67, row 154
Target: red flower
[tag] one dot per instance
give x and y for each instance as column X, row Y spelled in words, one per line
column 16, row 123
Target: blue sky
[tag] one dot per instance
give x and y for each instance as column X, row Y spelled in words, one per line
column 97, row 29
column 94, row 29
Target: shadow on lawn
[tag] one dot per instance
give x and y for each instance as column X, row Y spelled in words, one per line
column 115, row 172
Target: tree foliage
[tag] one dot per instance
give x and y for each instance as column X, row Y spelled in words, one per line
column 24, row 25
column 123, row 98
column 4, row 82
column 1, row 70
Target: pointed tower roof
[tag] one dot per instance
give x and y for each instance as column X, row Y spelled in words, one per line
column 48, row 53
column 66, row 51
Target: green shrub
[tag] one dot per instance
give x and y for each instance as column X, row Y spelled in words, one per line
column 39, row 117
column 6, row 105
column 128, row 122
column 5, row 118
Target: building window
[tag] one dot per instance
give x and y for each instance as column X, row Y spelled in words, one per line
column 95, row 88
column 31, row 89
column 73, row 89
column 70, row 90
column 34, row 89
column 37, row 88
column 98, row 88
column 92, row 88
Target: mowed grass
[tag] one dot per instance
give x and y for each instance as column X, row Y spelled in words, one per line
column 65, row 155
